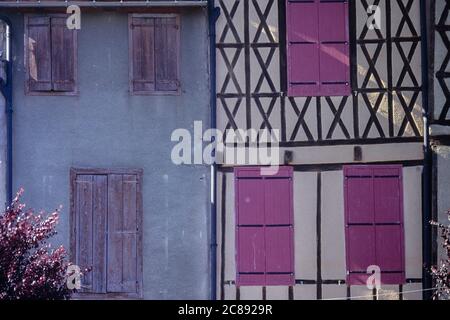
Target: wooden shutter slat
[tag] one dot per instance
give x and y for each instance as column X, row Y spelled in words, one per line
column 166, row 54
column 100, row 207
column 38, row 54
column 115, row 226
column 143, row 60
column 63, row 55
column 122, row 234
column 129, row 245
column 84, row 207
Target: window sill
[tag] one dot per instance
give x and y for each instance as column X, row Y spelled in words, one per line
column 52, row 93
column 155, row 93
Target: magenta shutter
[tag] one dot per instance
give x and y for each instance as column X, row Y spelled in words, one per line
column 251, row 255
column 359, row 198
column 374, row 222
column 334, row 48
column 360, row 252
column 303, row 48
column 250, row 231
column 388, row 194
column 264, row 227
column 279, row 231
column 278, row 201
column 318, row 48
column 387, row 189
column 279, row 258
column 251, row 202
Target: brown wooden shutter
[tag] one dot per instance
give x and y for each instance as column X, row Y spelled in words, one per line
column 142, row 54
column 63, row 55
column 38, row 54
column 122, row 234
column 166, row 53
column 91, row 212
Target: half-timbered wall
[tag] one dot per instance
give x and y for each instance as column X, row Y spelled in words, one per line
column 319, row 240
column 386, row 77
column 383, row 117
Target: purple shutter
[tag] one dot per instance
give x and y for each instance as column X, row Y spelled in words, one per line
column 251, row 202
column 278, row 201
column 360, row 233
column 318, row 48
column 264, row 227
column 279, row 232
column 303, row 48
column 250, row 231
column 360, row 252
column 334, row 48
column 359, row 197
column 279, row 257
column 388, row 194
column 374, row 228
column 251, row 256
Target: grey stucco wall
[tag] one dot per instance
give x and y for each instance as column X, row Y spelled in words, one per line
column 442, row 152
column 443, row 189
column 107, row 127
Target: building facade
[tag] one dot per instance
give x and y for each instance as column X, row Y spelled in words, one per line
column 346, row 98
column 94, row 110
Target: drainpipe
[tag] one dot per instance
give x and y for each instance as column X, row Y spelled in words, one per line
column 6, row 90
column 427, row 166
column 213, row 15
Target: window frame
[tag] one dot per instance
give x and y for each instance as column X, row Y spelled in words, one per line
column 28, row 91
column 133, row 92
column 74, row 172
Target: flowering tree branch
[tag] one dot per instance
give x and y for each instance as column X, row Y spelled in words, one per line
column 441, row 273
